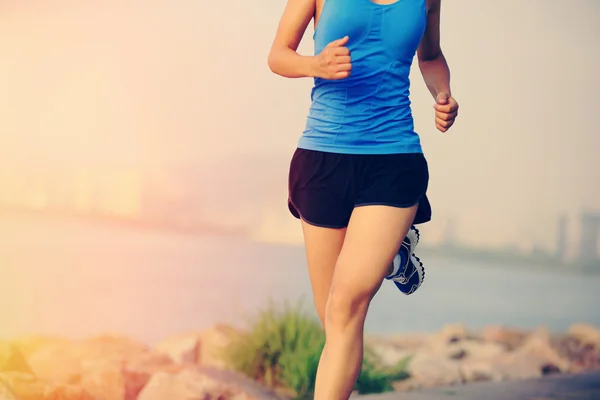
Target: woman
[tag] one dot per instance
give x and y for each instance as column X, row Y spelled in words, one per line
column 358, row 178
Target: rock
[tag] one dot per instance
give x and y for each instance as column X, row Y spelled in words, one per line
column 518, row 366
column 203, row 348
column 508, row 366
column 123, row 379
column 183, row 349
column 453, row 333
column 392, row 350
column 6, row 393
column 56, row 363
column 549, row 369
column 387, row 353
column 11, row 359
column 23, row 385
column 239, row 383
column 26, row 387
column 480, row 370
column 184, row 385
column 103, row 379
column 409, row 342
column 109, row 346
column 428, row 369
column 510, row 338
column 138, row 371
column 493, row 363
column 450, row 334
column 213, row 342
column 18, row 380
column 63, row 361
column 582, row 357
column 534, row 358
column 538, row 347
column 106, row 367
column 473, row 349
column 68, row 392
column 586, row 334
column 490, row 361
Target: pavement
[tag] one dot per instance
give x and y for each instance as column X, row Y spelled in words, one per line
column 558, row 387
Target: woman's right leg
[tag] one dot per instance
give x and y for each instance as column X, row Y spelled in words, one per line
column 323, row 246
column 373, row 237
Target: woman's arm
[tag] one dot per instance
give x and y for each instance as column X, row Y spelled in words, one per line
column 435, row 70
column 332, row 63
column 432, row 62
column 283, row 58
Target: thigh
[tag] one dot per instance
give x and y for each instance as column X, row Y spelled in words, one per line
column 323, row 246
column 372, row 240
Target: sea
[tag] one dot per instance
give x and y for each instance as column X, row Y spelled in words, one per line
column 78, row 279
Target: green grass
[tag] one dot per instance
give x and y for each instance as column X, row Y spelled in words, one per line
column 376, row 379
column 282, row 348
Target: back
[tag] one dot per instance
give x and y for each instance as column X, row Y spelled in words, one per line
column 368, row 112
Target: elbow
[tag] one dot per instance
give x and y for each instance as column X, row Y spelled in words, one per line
column 425, row 59
column 272, row 62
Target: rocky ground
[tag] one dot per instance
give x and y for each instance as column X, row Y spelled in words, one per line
column 457, row 356
column 189, row 367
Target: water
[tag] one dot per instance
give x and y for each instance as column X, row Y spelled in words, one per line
column 77, row 280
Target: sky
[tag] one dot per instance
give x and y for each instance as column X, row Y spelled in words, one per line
column 155, row 84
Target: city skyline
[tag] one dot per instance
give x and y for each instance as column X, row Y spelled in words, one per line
column 174, row 202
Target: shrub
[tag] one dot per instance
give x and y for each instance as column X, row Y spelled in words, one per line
column 282, row 350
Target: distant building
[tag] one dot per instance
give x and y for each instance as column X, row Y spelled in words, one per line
column 561, row 238
column 588, row 242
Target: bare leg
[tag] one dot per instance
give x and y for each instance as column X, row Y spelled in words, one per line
column 372, row 240
column 323, row 246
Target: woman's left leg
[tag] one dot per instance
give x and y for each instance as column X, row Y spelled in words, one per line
column 372, row 240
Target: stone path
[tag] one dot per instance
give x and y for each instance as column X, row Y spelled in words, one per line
column 558, row 387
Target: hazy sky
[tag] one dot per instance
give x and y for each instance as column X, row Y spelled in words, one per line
column 161, row 82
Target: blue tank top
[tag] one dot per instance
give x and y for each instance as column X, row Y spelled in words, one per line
column 369, row 112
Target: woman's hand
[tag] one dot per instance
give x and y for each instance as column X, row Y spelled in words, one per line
column 334, row 62
column 446, row 111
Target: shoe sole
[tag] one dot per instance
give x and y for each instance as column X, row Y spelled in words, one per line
column 419, row 267
column 413, row 236
column 420, row 272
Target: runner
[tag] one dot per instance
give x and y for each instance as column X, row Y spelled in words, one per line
column 358, row 178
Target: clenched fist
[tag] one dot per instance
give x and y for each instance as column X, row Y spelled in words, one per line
column 334, row 61
column 446, row 111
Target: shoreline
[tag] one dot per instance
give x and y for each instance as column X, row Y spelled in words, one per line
column 461, row 253
column 105, row 366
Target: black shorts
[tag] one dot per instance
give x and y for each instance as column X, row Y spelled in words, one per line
column 325, row 187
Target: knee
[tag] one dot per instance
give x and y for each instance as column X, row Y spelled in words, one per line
column 345, row 306
column 321, row 312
